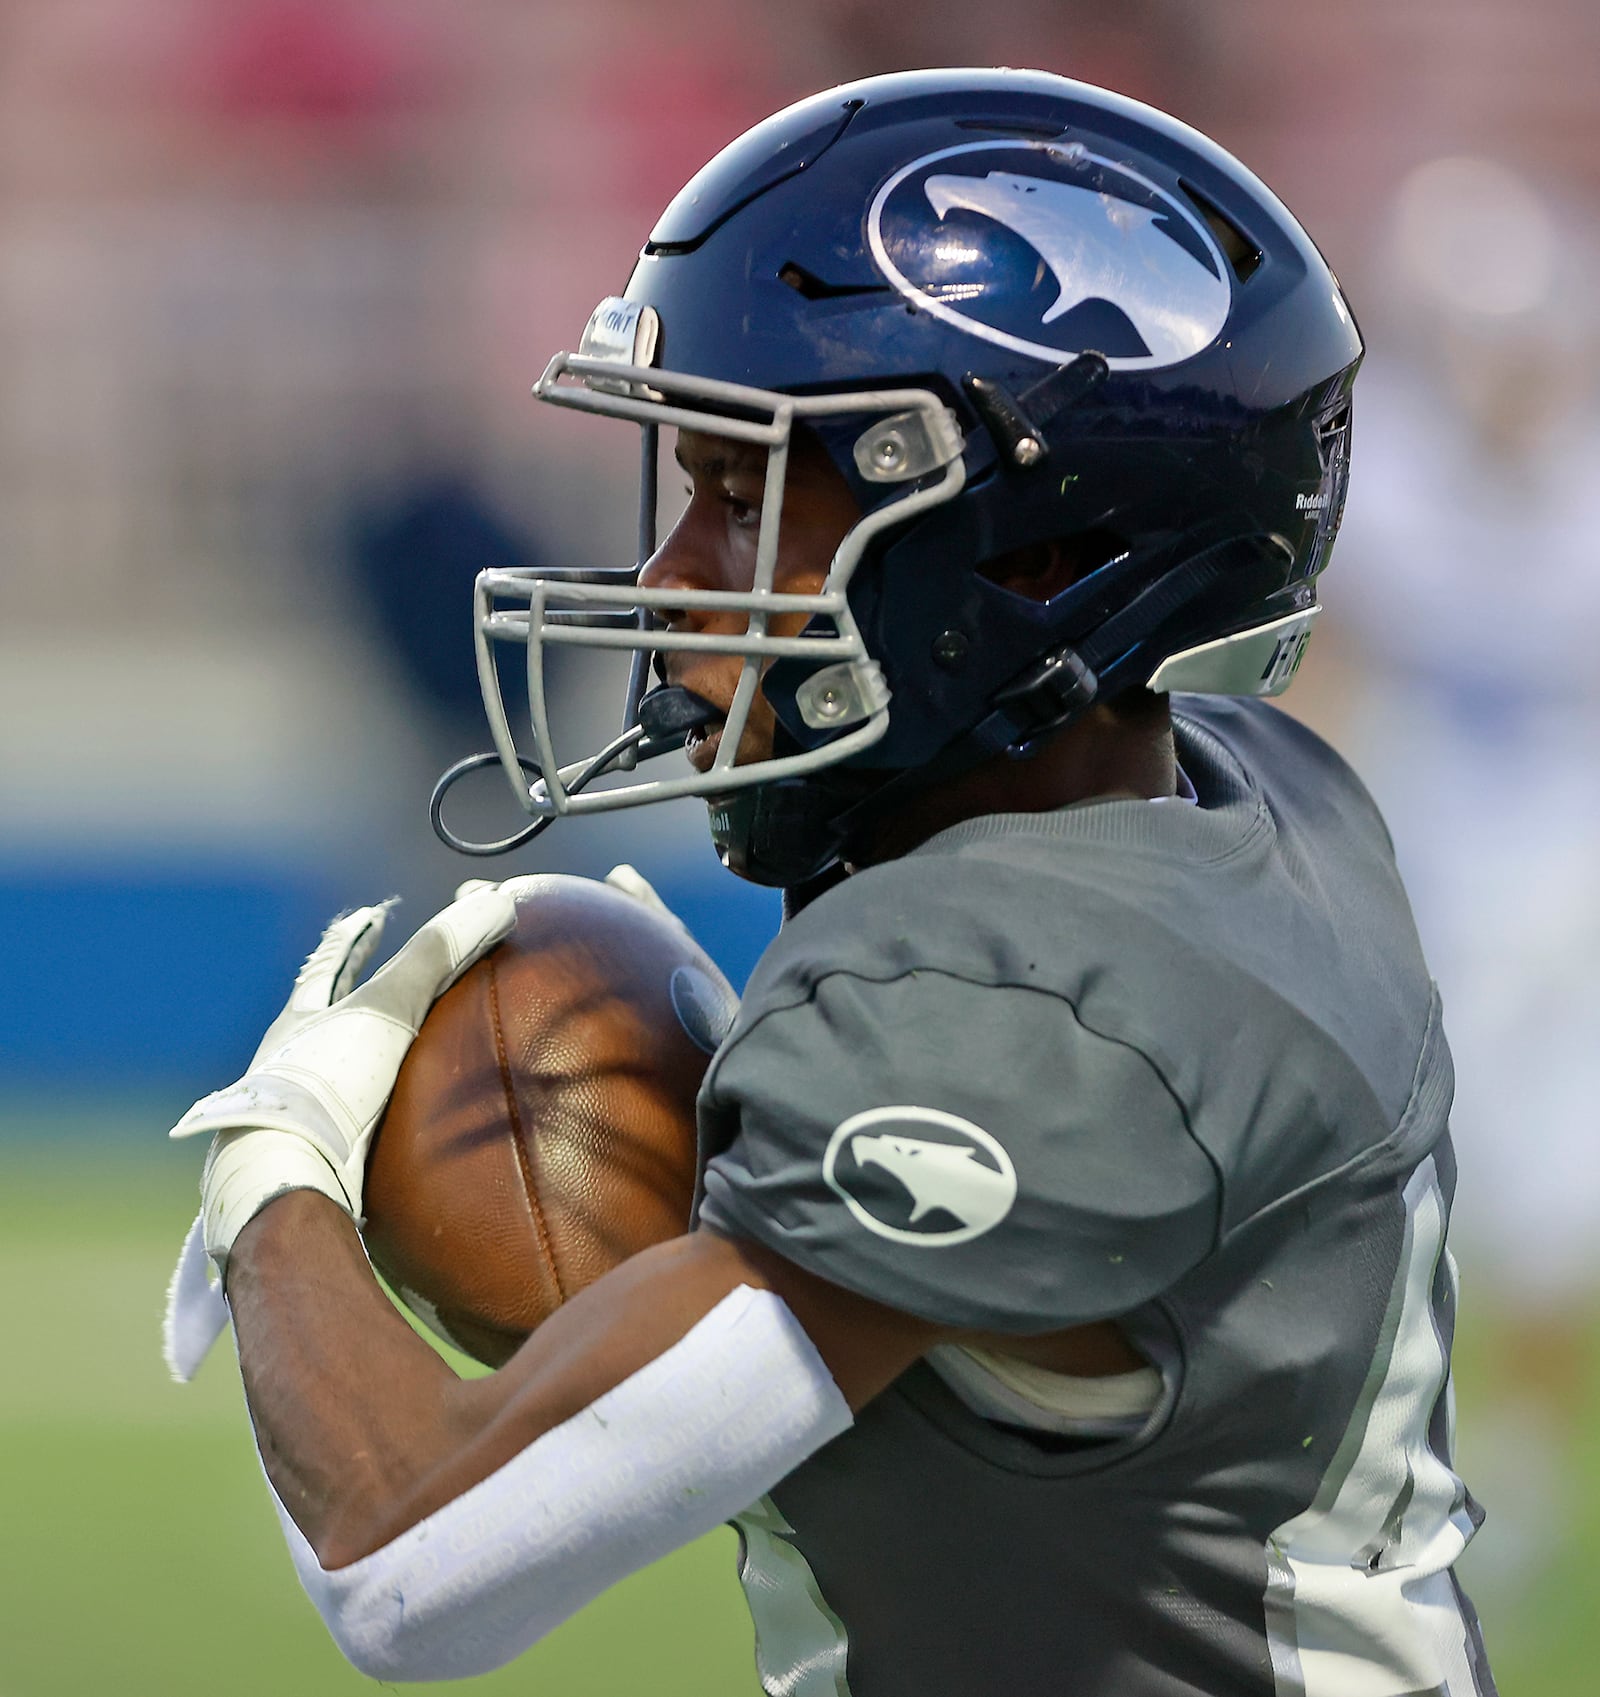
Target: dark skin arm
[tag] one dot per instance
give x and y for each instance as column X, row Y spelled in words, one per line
column 365, row 1431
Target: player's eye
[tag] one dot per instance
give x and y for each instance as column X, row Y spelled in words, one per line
column 741, row 512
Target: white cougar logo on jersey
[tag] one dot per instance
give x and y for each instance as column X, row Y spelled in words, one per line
column 947, row 1166
column 938, row 1176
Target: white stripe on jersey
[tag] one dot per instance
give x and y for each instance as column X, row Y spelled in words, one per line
column 801, row 1645
column 1360, row 1601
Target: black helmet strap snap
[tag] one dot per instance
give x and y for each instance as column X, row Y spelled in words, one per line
column 1063, row 683
column 1017, row 423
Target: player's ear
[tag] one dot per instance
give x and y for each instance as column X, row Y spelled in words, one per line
column 1033, row 571
column 1041, row 570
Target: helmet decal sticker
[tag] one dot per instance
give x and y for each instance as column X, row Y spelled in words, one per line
column 1051, row 250
column 705, row 1009
column 919, row 1176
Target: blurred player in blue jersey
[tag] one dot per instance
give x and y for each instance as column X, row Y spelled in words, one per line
column 1067, row 1306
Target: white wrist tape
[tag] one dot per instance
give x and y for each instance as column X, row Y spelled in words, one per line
column 684, row 1444
column 244, row 1172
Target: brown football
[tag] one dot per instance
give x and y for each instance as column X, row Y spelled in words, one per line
column 543, row 1129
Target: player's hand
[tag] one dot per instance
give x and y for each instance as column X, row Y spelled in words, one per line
column 632, row 882
column 303, row 1114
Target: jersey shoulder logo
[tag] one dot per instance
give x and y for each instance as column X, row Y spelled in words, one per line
column 917, row 1175
column 1051, row 250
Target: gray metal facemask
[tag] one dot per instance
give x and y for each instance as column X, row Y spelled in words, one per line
column 912, row 438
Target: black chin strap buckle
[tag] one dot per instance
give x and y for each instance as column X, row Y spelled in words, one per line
column 1048, row 696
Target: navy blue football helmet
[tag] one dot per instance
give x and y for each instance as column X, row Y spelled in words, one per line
column 1015, row 309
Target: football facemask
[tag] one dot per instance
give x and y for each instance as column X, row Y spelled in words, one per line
column 909, row 437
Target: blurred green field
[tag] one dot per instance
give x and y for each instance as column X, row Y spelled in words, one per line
column 141, row 1556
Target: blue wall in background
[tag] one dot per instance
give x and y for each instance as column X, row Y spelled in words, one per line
column 734, row 921
column 146, row 979
column 162, row 979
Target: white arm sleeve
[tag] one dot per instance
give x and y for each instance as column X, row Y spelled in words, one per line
column 688, row 1441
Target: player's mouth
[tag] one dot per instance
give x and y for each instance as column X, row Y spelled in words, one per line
column 677, row 715
column 702, row 744
column 679, row 705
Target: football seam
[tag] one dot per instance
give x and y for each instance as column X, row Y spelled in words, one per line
column 530, row 1190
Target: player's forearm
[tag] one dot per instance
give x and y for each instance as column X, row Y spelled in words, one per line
column 351, row 1409
column 688, row 1440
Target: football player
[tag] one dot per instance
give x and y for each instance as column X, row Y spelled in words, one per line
column 1067, row 1305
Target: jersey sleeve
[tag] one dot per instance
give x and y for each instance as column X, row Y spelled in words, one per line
column 968, row 1152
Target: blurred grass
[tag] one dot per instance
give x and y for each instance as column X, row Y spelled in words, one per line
column 141, row 1554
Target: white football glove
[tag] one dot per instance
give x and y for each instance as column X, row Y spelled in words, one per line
column 632, row 882
column 303, row 1114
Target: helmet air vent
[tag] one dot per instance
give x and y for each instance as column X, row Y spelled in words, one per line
column 1237, row 248
column 778, row 148
column 1333, row 449
column 1014, row 126
column 812, row 288
column 1333, row 430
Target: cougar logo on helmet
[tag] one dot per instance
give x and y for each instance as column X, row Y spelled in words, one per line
column 1110, row 241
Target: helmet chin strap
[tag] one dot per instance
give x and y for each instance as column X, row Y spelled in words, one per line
column 778, row 834
column 793, row 830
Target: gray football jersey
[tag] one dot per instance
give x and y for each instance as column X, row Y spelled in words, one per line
column 1177, row 1065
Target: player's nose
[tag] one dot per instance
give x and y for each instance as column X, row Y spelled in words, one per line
column 688, row 561
column 676, row 564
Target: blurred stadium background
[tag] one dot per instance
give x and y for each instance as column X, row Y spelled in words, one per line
column 275, row 277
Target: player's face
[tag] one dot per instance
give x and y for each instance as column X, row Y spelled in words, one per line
column 713, row 547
